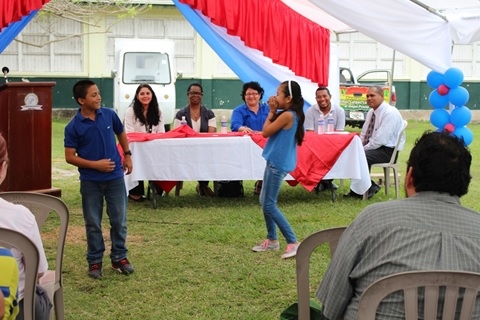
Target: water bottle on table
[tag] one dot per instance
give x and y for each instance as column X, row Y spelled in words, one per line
column 330, row 124
column 183, row 121
column 321, row 124
column 223, row 125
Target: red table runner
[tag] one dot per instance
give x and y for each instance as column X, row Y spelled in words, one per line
column 315, row 157
column 183, row 131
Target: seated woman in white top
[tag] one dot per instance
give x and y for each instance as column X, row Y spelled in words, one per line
column 143, row 115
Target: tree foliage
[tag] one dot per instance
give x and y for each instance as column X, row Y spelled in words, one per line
column 91, row 12
column 86, row 12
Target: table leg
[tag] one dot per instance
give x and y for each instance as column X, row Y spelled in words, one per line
column 178, row 187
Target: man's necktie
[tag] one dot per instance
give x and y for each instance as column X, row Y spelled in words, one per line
column 370, row 128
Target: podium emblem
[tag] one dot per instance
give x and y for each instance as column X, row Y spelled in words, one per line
column 31, row 102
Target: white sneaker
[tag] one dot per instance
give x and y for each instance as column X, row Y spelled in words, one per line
column 291, row 251
column 266, row 245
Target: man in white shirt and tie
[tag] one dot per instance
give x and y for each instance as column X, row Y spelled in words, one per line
column 379, row 133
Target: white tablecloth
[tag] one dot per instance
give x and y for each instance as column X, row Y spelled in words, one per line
column 226, row 158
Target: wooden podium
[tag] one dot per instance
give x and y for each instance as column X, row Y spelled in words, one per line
column 26, row 125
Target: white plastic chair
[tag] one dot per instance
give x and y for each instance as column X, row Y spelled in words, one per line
column 41, row 205
column 392, row 164
column 13, row 239
column 432, row 281
column 304, row 251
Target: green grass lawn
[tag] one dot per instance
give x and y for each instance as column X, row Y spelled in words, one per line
column 192, row 255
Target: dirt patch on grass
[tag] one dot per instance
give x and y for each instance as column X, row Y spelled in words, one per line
column 58, row 173
column 76, row 235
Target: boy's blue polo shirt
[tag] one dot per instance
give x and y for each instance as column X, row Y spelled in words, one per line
column 95, row 140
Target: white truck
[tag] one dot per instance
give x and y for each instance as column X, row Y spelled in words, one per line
column 149, row 61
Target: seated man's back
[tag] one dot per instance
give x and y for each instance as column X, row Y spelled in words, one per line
column 429, row 230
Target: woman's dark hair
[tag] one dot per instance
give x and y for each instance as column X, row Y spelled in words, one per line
column 297, row 107
column 153, row 111
column 252, row 85
column 440, row 163
column 195, row 84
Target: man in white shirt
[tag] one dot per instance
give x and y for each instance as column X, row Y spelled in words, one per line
column 324, row 105
column 379, row 136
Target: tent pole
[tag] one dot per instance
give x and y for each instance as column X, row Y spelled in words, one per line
column 429, row 9
column 391, row 73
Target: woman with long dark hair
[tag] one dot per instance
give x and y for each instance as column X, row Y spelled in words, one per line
column 143, row 115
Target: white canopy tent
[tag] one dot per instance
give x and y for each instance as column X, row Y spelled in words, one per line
column 421, row 29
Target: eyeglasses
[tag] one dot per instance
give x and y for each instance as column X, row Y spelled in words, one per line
column 254, row 94
column 195, row 93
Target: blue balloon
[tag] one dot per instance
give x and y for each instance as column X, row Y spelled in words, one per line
column 434, row 79
column 460, row 116
column 437, row 100
column 439, row 118
column 458, row 96
column 453, row 77
column 465, row 134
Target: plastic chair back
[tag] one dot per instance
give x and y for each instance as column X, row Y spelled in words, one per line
column 13, row 239
column 433, row 281
column 304, row 251
column 392, row 164
column 41, row 205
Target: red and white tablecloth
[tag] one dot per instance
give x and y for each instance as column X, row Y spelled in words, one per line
column 184, row 155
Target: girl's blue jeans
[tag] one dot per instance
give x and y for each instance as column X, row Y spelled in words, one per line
column 272, row 182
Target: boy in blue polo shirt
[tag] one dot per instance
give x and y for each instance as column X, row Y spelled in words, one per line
column 91, row 146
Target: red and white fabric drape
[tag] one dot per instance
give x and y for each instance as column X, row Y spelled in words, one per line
column 270, row 26
column 14, row 10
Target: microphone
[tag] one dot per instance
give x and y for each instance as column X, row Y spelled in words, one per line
column 5, row 70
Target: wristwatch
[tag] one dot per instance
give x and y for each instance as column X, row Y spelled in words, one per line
column 127, row 153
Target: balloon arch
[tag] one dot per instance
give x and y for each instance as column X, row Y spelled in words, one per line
column 447, row 91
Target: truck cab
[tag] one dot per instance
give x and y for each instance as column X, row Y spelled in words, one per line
column 147, row 61
column 353, row 93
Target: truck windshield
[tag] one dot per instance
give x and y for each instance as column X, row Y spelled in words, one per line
column 146, row 67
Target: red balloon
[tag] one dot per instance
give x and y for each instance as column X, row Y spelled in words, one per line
column 443, row 89
column 449, row 127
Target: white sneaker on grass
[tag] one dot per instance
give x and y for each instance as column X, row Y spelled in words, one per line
column 266, row 245
column 291, row 251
